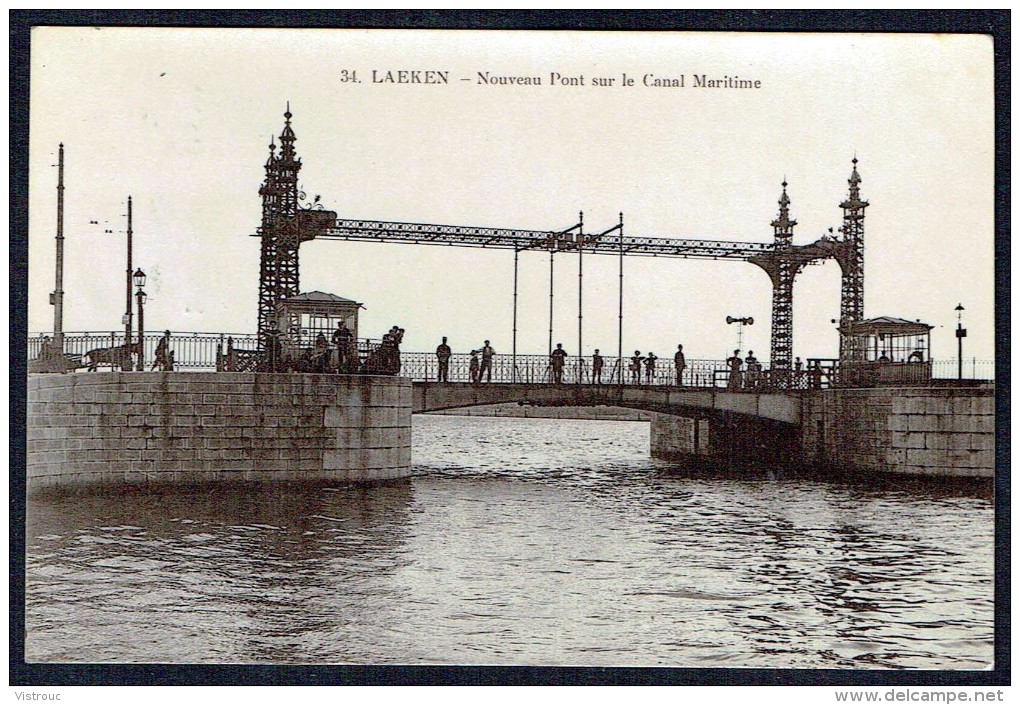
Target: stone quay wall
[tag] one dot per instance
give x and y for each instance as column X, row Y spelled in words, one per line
column 167, row 427
column 910, row 430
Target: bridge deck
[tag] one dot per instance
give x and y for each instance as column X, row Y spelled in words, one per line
column 774, row 406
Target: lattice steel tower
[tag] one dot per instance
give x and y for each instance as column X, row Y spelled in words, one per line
column 278, row 271
column 783, row 273
column 851, row 261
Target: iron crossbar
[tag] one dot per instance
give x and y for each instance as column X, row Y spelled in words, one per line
column 561, row 240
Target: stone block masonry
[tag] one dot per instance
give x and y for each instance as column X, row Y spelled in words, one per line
column 946, row 431
column 912, row 430
column 677, row 438
column 727, row 439
column 137, row 428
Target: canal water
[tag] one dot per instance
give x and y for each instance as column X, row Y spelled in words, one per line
column 522, row 541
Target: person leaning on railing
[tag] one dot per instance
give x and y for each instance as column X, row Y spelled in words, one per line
column 650, row 367
column 635, row 367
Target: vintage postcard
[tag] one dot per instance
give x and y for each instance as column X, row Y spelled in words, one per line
column 529, row 348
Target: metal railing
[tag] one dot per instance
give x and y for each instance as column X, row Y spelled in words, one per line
column 207, row 351
column 537, row 369
column 973, row 369
column 192, row 351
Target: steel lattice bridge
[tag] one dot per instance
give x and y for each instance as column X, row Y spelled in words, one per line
column 609, row 242
column 287, row 222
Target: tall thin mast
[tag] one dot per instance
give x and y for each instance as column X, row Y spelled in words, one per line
column 127, row 306
column 580, row 291
column 619, row 330
column 513, row 373
column 58, row 293
column 552, row 252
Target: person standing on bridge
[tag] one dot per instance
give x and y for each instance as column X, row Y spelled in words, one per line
column 342, row 339
column 753, row 370
column 443, row 352
column 473, row 368
column 558, row 359
column 486, row 369
column 680, row 364
column 736, row 377
column 596, row 367
column 635, row 367
column 650, row 367
column 162, row 360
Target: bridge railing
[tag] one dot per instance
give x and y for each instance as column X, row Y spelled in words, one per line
column 198, row 351
column 532, row 369
column 192, row 351
column 972, row 369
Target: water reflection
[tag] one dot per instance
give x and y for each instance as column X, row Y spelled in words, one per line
column 228, row 576
column 524, row 541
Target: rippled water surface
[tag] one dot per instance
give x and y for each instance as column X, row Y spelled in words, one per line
column 522, row 541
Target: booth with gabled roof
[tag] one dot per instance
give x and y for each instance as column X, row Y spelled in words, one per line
column 300, row 319
column 886, row 351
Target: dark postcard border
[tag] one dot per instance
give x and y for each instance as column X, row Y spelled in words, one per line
column 995, row 23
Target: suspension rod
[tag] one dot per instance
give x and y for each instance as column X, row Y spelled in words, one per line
column 580, row 292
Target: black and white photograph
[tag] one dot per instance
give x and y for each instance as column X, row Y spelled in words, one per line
column 362, row 347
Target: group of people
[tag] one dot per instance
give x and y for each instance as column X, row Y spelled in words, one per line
column 388, row 353
column 477, row 368
column 480, row 364
column 638, row 363
column 340, row 353
column 754, row 376
column 648, row 362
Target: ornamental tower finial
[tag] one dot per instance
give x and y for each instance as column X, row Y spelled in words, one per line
column 783, row 225
column 287, row 137
column 272, row 152
column 853, row 201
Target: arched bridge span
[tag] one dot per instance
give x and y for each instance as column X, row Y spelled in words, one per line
column 783, row 407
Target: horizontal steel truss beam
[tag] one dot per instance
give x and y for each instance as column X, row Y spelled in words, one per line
column 607, row 242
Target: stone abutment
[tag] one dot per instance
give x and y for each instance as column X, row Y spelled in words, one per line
column 165, row 427
column 912, row 430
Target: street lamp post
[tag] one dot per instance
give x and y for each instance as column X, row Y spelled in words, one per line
column 961, row 333
column 139, row 277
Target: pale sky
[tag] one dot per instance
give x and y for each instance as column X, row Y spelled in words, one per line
column 181, row 119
